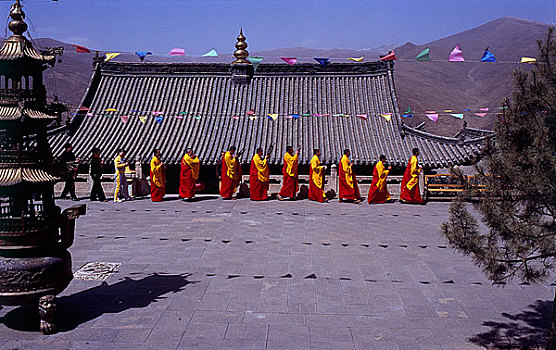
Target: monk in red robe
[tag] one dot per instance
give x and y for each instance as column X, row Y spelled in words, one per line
column 378, row 193
column 290, row 184
column 158, row 177
column 231, row 174
column 410, row 183
column 259, row 177
column 316, row 178
column 348, row 187
column 189, row 175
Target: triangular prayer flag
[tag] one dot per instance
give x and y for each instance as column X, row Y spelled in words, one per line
column 235, row 117
column 179, row 116
column 71, row 113
column 255, row 61
column 89, row 114
column 488, row 56
column 143, row 54
column 157, row 113
column 387, row 116
column 324, row 61
column 325, row 115
column 432, row 116
column 83, row 108
column 159, row 119
column 457, row 115
column 211, row 53
column 250, row 112
column 356, row 59
column 424, row 55
column 408, row 110
column 362, row 116
column 480, row 114
column 391, row 56
column 142, row 118
column 135, row 111
column 177, row 52
column 82, row 49
column 111, row 55
column 295, row 116
column 124, row 118
column 465, row 110
column 447, row 110
column 408, row 113
column 251, row 117
column 288, row 116
column 317, row 115
column 108, row 115
column 197, row 117
column 183, row 112
column 110, row 110
column 484, row 109
column 456, row 55
column 306, row 115
column 289, row 60
column 273, row 116
column 528, row 60
column 346, row 115
column 337, row 115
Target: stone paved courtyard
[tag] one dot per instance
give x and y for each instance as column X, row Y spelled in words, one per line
column 220, row 274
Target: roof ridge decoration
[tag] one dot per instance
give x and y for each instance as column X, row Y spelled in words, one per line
column 241, row 53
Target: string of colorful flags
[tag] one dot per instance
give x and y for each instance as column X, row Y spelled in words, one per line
column 159, row 115
column 456, row 55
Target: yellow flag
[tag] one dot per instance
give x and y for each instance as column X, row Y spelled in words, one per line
column 111, row 110
column 111, row 55
column 447, row 111
column 142, row 118
column 273, row 116
column 528, row 60
column 356, row 59
column 387, row 116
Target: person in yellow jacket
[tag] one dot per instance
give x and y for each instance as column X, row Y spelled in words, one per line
column 259, row 177
column 121, row 164
column 316, row 178
column 158, row 177
column 189, row 174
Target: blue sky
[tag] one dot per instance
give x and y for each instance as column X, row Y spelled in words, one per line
column 199, row 25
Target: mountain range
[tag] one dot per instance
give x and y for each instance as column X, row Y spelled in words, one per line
column 436, row 85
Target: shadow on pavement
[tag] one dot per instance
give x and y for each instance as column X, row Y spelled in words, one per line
column 92, row 303
column 526, row 330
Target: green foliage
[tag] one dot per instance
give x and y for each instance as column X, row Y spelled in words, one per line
column 518, row 206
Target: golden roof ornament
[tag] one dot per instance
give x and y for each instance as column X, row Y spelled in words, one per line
column 17, row 25
column 241, row 53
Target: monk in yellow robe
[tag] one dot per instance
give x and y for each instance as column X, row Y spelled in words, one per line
column 290, row 184
column 231, row 174
column 259, row 177
column 348, row 187
column 410, row 182
column 378, row 193
column 189, row 174
column 158, row 177
column 121, row 165
column 316, row 178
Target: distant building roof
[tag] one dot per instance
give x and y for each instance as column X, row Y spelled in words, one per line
column 209, row 91
column 15, row 112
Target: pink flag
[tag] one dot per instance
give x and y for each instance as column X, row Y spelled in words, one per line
column 157, row 113
column 289, row 116
column 179, row 116
column 484, row 109
column 83, row 108
column 325, row 115
column 317, row 115
column 177, row 52
column 235, row 117
column 89, row 114
column 124, row 118
column 289, row 60
column 362, row 116
column 456, row 55
column 432, row 116
column 480, row 114
column 250, row 112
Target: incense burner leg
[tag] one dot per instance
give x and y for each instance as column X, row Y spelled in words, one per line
column 47, row 311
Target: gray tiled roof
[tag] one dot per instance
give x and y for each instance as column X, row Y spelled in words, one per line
column 207, row 90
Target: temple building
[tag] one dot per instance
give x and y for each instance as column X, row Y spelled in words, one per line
column 210, row 106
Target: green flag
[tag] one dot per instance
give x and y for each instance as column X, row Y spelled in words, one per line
column 424, row 55
column 255, row 61
column 408, row 110
column 211, row 53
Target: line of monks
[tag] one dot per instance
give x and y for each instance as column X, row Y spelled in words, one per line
column 259, row 178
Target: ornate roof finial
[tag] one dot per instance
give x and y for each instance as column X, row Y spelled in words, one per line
column 17, row 25
column 241, row 53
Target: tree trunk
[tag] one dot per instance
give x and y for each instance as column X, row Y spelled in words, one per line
column 551, row 344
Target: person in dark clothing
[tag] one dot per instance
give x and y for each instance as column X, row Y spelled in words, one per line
column 70, row 162
column 219, row 169
column 97, row 193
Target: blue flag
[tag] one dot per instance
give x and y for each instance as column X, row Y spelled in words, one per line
column 143, row 54
column 295, row 116
column 488, row 56
column 324, row 61
column 159, row 119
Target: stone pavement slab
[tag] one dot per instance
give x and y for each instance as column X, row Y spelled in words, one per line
column 217, row 274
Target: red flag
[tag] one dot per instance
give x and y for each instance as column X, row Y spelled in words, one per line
column 390, row 57
column 82, row 49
